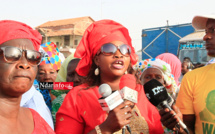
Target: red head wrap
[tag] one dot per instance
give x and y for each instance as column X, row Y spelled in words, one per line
column 15, row 30
column 97, row 34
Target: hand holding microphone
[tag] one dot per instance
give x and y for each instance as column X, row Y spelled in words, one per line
column 158, row 96
column 119, row 111
column 120, row 102
column 127, row 85
column 117, row 118
column 171, row 118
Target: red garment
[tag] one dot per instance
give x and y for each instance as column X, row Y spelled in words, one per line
column 16, row 30
column 81, row 112
column 174, row 62
column 40, row 125
column 96, row 35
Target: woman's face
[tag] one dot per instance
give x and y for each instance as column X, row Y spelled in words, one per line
column 112, row 66
column 18, row 77
column 46, row 73
column 72, row 75
column 152, row 73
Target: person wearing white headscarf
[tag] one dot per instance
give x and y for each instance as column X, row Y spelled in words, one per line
column 160, row 70
column 164, row 68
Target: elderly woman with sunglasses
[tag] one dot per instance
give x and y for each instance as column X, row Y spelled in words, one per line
column 106, row 55
column 19, row 58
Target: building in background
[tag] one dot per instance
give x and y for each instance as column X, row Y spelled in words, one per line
column 66, row 34
column 193, row 46
column 158, row 40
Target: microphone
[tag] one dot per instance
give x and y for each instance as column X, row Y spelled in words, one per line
column 105, row 90
column 127, row 85
column 158, row 96
column 170, row 101
column 109, row 100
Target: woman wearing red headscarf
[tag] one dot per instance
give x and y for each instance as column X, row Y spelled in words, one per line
column 19, row 57
column 106, row 55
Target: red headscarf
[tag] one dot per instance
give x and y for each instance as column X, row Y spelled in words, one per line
column 10, row 29
column 97, row 34
column 174, row 62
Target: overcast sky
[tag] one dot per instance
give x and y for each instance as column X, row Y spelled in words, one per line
column 134, row 14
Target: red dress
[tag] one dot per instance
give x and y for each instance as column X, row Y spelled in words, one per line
column 81, row 112
column 40, row 125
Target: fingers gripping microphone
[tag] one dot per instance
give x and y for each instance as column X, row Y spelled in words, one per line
column 158, row 96
column 127, row 85
column 110, row 101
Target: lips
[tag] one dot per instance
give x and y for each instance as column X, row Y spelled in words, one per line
column 208, row 45
column 23, row 76
column 48, row 80
column 118, row 64
column 209, row 48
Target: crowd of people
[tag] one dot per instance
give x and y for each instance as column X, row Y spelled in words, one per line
column 104, row 55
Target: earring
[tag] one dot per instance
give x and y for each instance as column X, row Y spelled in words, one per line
column 96, row 72
column 126, row 72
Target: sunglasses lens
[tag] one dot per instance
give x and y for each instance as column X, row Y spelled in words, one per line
column 108, row 49
column 12, row 54
column 125, row 50
column 33, row 57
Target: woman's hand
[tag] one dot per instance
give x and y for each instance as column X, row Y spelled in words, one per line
column 117, row 118
column 170, row 118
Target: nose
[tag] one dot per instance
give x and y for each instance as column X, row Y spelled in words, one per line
column 207, row 37
column 23, row 63
column 76, row 79
column 118, row 54
column 153, row 77
column 47, row 75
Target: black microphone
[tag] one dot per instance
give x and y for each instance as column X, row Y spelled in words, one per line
column 170, row 101
column 158, row 96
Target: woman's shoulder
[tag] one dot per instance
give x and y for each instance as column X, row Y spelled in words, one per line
column 82, row 91
column 27, row 113
column 139, row 87
column 36, row 116
column 40, row 125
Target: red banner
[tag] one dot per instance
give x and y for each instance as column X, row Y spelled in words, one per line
column 62, row 85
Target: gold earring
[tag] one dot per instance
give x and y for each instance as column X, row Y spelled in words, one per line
column 96, row 72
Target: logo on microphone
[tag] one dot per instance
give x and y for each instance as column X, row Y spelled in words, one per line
column 157, row 90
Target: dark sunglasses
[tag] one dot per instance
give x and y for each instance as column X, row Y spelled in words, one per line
column 13, row 54
column 110, row 49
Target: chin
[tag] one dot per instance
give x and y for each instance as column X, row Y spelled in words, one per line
column 17, row 91
column 119, row 73
column 23, row 87
column 48, row 81
column 211, row 54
